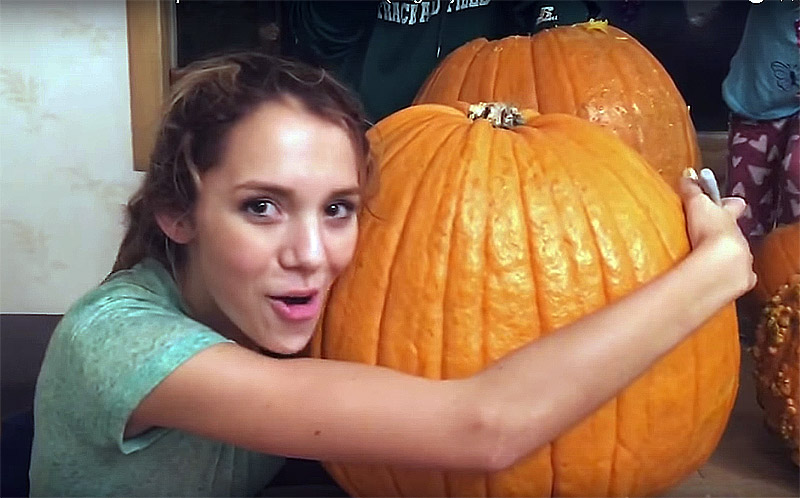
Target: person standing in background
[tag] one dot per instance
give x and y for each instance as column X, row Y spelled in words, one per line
column 762, row 92
column 384, row 50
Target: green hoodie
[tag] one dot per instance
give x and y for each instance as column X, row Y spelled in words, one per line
column 384, row 50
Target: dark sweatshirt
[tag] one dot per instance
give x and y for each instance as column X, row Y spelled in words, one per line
column 384, row 50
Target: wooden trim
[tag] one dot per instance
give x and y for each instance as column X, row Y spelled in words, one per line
column 150, row 47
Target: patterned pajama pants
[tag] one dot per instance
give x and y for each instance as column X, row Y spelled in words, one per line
column 764, row 169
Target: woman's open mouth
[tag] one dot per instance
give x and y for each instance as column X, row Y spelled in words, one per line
column 296, row 307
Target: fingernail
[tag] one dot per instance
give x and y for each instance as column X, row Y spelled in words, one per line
column 690, row 173
column 708, row 183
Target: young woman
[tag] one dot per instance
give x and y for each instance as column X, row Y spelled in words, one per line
column 172, row 377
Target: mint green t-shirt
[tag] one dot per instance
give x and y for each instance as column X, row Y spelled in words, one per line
column 108, row 352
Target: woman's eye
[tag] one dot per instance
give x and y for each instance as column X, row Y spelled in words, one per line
column 341, row 209
column 261, row 208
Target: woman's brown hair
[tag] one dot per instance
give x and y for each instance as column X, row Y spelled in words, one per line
column 211, row 97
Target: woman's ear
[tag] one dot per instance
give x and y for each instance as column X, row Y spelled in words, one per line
column 177, row 226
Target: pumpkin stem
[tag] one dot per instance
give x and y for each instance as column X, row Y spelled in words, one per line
column 499, row 114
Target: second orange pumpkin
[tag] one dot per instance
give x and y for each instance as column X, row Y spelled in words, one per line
column 590, row 70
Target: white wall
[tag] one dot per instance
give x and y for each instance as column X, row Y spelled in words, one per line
column 66, row 167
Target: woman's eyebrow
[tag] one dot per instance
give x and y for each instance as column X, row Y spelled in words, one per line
column 280, row 191
column 346, row 192
column 270, row 188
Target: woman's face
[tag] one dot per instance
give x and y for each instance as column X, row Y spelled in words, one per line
column 274, row 224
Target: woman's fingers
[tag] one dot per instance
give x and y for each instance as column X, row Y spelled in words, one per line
column 734, row 205
column 708, row 182
column 688, row 186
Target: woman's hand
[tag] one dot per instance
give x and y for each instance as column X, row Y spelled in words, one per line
column 715, row 236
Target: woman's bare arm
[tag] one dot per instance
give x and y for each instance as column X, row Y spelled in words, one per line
column 341, row 411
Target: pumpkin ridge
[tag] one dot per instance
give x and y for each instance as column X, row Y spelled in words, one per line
column 629, row 83
column 485, row 250
column 455, row 206
column 543, row 137
column 405, row 119
column 545, row 323
column 340, row 475
column 447, row 291
column 670, row 101
column 561, row 52
column 349, row 480
column 694, row 406
column 614, row 486
column 613, row 229
column 393, row 478
column 671, row 106
column 464, row 292
column 613, row 477
column 587, row 218
column 325, row 343
column 534, row 77
column 446, row 206
column 477, row 127
column 525, row 209
column 443, row 83
column 651, row 385
column 576, row 73
column 461, row 85
column 618, row 62
column 534, row 162
column 465, row 174
column 653, row 382
column 576, row 181
column 642, row 204
column 561, row 204
column 419, row 127
column 510, row 206
column 520, row 147
column 495, row 70
column 443, row 150
column 508, row 265
column 582, row 202
column 431, row 80
column 364, row 224
column 391, row 472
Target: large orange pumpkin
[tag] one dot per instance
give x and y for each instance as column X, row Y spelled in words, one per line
column 776, row 259
column 777, row 347
column 483, row 239
column 591, row 70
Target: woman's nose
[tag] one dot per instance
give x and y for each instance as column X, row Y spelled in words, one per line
column 304, row 248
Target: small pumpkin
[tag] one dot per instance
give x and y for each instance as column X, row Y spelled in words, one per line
column 485, row 238
column 776, row 259
column 590, row 70
column 777, row 345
